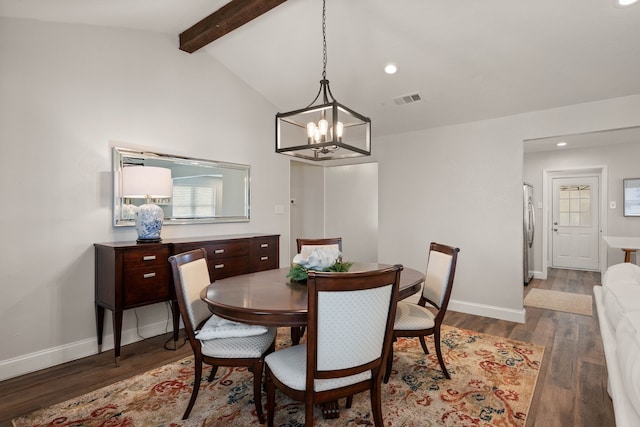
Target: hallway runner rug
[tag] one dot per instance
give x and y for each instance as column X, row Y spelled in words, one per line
column 492, row 384
column 559, row 301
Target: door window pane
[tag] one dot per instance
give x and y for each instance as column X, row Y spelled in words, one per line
column 575, row 205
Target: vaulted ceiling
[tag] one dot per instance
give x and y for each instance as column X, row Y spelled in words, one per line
column 468, row 60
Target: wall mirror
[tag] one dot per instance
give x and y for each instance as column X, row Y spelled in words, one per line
column 204, row 191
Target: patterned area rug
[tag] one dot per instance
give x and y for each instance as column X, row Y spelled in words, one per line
column 492, row 384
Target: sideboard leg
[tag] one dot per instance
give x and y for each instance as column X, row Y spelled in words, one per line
column 117, row 334
column 99, row 325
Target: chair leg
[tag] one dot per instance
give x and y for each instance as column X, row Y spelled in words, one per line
column 271, row 397
column 376, row 403
column 196, row 388
column 308, row 409
column 257, row 389
column 436, row 340
column 212, row 374
column 423, row 343
column 387, row 371
column 296, row 334
column 349, row 402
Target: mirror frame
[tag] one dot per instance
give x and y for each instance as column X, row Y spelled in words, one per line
column 121, row 154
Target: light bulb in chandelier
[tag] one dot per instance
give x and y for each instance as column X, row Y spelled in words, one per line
column 318, row 132
column 339, row 130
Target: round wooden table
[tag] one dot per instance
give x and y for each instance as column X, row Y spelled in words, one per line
column 268, row 298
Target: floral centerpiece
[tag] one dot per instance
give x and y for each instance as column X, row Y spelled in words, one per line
column 317, row 258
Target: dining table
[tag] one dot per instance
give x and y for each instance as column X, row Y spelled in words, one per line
column 269, row 298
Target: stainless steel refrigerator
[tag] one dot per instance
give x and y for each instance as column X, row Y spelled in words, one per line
column 528, row 228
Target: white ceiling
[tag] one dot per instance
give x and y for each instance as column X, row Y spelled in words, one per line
column 468, row 59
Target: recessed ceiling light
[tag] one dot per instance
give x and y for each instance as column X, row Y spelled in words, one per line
column 623, row 3
column 561, row 144
column 390, row 69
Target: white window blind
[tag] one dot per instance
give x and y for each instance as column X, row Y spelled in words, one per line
column 195, row 196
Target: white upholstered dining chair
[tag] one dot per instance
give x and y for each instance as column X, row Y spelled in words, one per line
column 349, row 335
column 190, row 276
column 425, row 317
column 334, row 242
column 329, row 241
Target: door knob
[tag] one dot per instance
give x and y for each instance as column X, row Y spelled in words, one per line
column 555, row 229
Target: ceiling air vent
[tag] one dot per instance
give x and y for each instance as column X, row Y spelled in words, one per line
column 407, row 99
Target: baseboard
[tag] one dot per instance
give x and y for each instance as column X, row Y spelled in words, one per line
column 47, row 358
column 488, row 311
column 539, row 275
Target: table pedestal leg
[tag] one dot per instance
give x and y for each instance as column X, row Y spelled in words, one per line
column 330, row 410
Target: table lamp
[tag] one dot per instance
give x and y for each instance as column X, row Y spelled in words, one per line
column 147, row 182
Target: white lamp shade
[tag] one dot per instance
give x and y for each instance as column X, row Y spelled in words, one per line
column 143, row 181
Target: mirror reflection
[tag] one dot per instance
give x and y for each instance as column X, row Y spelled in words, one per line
column 203, row 191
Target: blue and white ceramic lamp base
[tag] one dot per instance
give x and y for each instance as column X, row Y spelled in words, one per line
column 149, row 219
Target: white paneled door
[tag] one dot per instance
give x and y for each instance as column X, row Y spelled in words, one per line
column 575, row 222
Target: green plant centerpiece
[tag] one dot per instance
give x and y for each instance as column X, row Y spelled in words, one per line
column 320, row 258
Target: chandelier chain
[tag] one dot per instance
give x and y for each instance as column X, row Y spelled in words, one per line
column 324, row 40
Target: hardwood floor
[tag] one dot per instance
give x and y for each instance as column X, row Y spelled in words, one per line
column 571, row 388
column 572, row 385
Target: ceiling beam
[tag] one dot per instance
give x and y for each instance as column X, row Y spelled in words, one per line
column 233, row 15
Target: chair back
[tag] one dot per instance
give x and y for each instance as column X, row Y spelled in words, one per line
column 350, row 327
column 190, row 276
column 329, row 242
column 441, row 269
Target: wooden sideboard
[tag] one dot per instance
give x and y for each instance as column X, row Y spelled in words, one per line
column 130, row 274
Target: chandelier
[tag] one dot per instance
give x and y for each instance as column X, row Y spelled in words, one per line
column 325, row 129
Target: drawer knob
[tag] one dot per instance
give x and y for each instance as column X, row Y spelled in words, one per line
column 264, row 258
column 218, row 251
column 149, row 275
column 264, row 245
column 149, row 258
column 218, row 266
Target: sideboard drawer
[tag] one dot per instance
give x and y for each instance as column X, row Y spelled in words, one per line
column 147, row 285
column 146, row 257
column 219, row 268
column 264, row 253
column 216, row 250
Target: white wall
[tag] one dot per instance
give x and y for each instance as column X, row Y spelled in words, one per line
column 336, row 201
column 66, row 93
column 352, row 209
column 621, row 160
column 462, row 185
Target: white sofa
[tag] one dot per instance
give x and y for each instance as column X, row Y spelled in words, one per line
column 618, row 308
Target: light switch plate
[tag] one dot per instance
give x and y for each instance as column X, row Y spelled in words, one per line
column 612, row 205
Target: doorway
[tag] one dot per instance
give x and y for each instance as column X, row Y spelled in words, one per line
column 575, row 222
column 562, row 244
